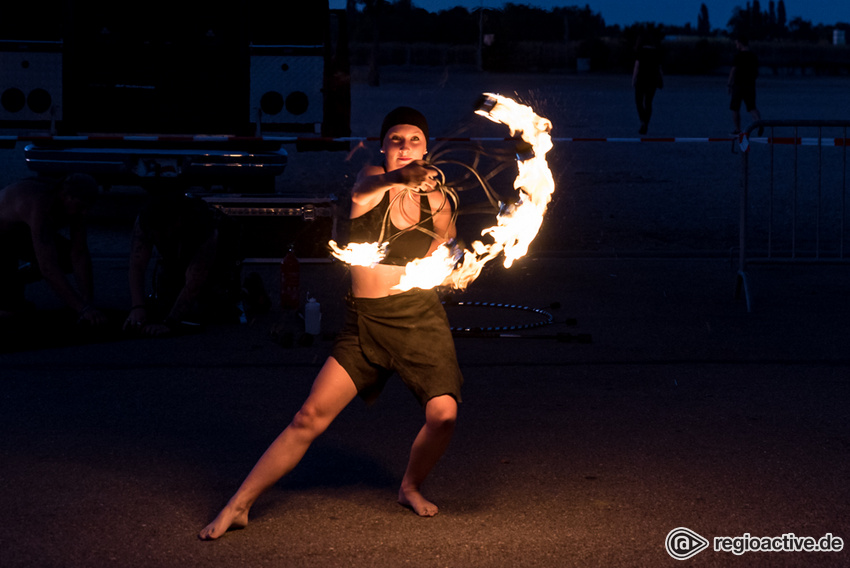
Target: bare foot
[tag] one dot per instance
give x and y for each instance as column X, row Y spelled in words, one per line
column 416, row 501
column 227, row 520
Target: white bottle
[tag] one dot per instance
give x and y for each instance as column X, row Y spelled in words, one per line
column 312, row 317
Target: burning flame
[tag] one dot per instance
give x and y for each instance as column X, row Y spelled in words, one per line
column 516, row 224
column 359, row 254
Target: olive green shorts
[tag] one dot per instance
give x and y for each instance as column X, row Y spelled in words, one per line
column 406, row 333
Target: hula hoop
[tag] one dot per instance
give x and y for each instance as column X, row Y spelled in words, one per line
column 547, row 317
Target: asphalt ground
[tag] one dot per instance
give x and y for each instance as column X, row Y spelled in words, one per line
column 684, row 409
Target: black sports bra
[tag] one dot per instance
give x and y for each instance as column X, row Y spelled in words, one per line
column 404, row 245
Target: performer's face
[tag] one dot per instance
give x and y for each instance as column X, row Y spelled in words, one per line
column 403, row 144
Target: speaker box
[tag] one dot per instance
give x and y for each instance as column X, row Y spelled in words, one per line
column 30, row 86
column 286, row 89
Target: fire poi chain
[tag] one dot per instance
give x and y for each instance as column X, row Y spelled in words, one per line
column 516, row 225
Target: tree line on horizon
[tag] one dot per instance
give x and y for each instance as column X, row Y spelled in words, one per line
column 519, row 37
column 403, row 21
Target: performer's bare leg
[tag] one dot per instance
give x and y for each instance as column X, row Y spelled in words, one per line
column 332, row 390
column 428, row 447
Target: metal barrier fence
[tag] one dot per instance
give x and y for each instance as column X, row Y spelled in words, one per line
column 793, row 195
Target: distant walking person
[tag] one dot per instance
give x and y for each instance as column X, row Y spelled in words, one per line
column 646, row 78
column 742, row 84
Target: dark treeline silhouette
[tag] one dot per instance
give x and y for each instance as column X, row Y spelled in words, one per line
column 773, row 24
column 402, row 20
column 769, row 24
column 518, row 36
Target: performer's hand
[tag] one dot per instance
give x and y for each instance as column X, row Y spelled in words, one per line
column 418, row 176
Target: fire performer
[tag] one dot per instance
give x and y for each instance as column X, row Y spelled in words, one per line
column 386, row 330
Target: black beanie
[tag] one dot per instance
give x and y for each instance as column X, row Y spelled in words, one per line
column 404, row 115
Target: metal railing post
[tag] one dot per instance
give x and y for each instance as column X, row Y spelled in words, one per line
column 742, row 286
column 828, row 219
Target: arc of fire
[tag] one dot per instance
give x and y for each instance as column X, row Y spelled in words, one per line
column 517, row 224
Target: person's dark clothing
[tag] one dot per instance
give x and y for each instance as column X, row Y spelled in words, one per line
column 744, row 87
column 407, row 333
column 648, row 79
column 404, row 245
